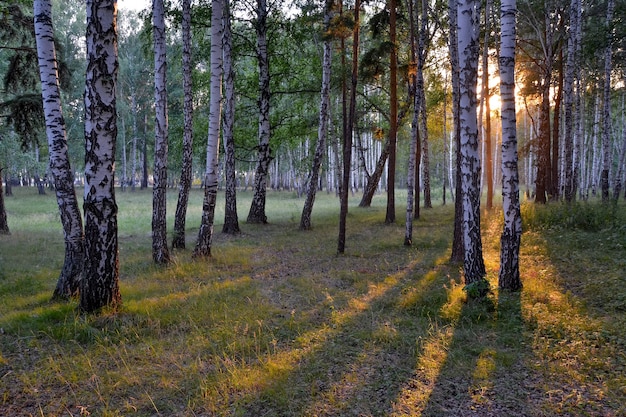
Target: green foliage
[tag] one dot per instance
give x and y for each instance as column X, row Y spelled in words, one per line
column 477, row 289
column 587, row 216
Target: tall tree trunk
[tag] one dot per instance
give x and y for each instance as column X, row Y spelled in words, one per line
column 231, row 219
column 100, row 285
column 509, row 276
column 544, row 164
column 69, row 280
column 568, row 93
column 469, row 45
column 393, row 117
column 205, row 233
column 133, row 151
column 486, row 97
column 180, row 218
column 457, row 238
column 257, row 208
column 554, row 188
column 144, row 167
column 322, row 133
column 410, row 192
column 423, row 160
column 160, row 252
column 348, row 127
column 4, row 225
column 606, row 109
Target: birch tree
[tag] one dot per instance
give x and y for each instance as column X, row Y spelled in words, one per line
column 257, row 208
column 453, row 45
column 180, row 218
column 205, row 233
column 4, row 225
column 606, row 105
column 568, row 93
column 509, row 277
column 160, row 252
column 469, row 45
column 322, row 133
column 231, row 219
column 69, row 280
column 100, row 285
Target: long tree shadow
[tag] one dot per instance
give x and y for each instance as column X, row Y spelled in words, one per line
column 485, row 371
column 357, row 362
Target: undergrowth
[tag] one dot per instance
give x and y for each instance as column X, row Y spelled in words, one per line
column 277, row 324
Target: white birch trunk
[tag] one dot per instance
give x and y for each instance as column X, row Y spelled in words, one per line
column 160, row 252
column 469, row 45
column 509, row 276
column 205, row 233
column 606, row 110
column 100, row 284
column 69, row 279
column 180, row 217
column 257, row 208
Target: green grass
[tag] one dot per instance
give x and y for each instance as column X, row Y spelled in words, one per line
column 277, row 324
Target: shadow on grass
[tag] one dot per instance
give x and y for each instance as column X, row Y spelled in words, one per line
column 357, row 361
column 485, row 370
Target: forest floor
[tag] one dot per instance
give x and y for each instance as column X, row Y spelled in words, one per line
column 275, row 323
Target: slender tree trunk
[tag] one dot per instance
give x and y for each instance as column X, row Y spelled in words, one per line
column 617, row 184
column 606, row 110
column 205, row 233
column 134, row 145
column 180, row 218
column 509, row 276
column 100, row 285
column 457, row 239
column 322, row 133
column 390, row 217
column 423, row 160
column 568, row 93
column 4, row 225
column 257, row 208
column 231, row 219
column 469, row 45
column 144, row 168
column 554, row 189
column 410, row 200
column 160, row 252
column 347, row 140
column 69, row 280
column 486, row 98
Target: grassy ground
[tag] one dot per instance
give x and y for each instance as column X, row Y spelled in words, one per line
column 276, row 324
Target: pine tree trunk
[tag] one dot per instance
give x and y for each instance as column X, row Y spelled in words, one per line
column 100, row 285
column 205, row 234
column 305, row 219
column 231, row 219
column 390, row 217
column 68, row 282
column 257, row 208
column 160, row 252
column 469, row 45
column 347, row 133
column 180, row 218
column 509, row 276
